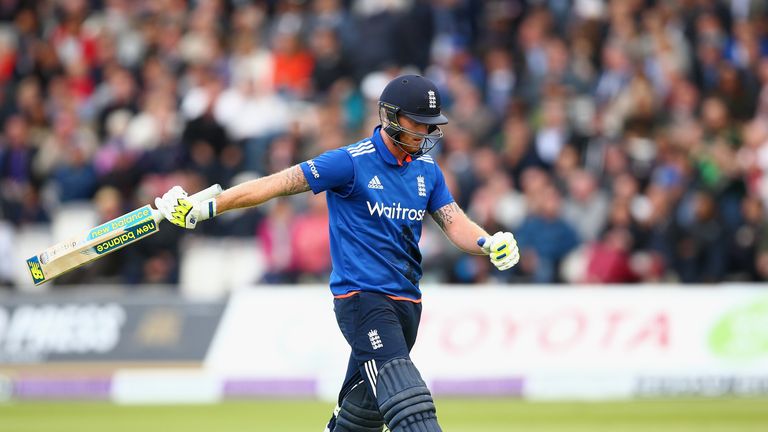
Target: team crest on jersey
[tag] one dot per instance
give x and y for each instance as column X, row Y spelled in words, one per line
column 432, row 99
column 421, row 186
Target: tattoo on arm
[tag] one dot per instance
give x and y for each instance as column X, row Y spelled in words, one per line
column 293, row 181
column 446, row 215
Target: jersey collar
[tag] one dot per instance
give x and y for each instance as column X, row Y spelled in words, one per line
column 383, row 150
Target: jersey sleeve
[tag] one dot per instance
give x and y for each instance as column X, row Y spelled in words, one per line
column 440, row 196
column 332, row 170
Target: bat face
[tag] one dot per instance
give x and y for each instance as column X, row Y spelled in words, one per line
column 101, row 240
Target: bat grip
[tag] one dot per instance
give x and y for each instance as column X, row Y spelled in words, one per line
column 208, row 193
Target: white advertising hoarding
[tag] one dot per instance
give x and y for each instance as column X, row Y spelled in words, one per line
column 564, row 341
column 285, row 333
column 511, row 331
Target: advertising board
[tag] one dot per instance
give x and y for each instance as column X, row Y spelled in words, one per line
column 534, row 342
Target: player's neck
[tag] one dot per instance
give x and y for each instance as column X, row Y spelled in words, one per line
column 397, row 152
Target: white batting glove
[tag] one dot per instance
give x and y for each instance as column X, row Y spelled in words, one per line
column 183, row 210
column 501, row 249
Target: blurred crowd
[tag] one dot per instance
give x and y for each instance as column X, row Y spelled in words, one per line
column 621, row 141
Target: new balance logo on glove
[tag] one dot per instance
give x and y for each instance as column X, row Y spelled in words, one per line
column 375, row 183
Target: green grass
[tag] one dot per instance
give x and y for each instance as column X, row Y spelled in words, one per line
column 456, row 415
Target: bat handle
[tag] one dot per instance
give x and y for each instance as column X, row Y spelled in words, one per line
column 208, row 193
column 205, row 194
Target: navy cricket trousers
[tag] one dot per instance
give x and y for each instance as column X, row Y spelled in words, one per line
column 378, row 329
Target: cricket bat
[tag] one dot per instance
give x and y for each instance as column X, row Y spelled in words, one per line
column 101, row 240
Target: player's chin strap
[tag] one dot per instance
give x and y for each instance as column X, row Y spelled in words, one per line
column 404, row 399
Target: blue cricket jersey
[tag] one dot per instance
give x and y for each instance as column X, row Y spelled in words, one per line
column 376, row 209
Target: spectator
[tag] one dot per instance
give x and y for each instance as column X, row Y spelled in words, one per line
column 700, row 246
column 609, row 260
column 67, row 135
column 553, row 133
column 501, row 80
column 310, row 241
column 585, row 207
column 19, row 199
column 746, row 240
column 330, row 62
column 468, row 111
column 293, row 65
column 274, row 235
column 16, row 152
column 545, row 238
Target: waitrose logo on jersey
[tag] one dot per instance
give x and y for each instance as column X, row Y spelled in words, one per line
column 395, row 211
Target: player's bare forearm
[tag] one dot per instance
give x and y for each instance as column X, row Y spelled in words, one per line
column 252, row 193
column 459, row 228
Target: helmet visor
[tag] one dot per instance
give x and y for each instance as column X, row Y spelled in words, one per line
column 439, row 119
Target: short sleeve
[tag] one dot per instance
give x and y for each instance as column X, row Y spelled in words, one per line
column 332, row 170
column 440, row 196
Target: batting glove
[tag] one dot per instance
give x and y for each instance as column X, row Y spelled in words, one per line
column 183, row 210
column 501, row 249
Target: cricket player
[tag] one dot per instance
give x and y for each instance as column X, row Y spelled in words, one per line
column 378, row 191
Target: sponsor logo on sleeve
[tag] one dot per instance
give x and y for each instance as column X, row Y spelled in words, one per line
column 313, row 168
